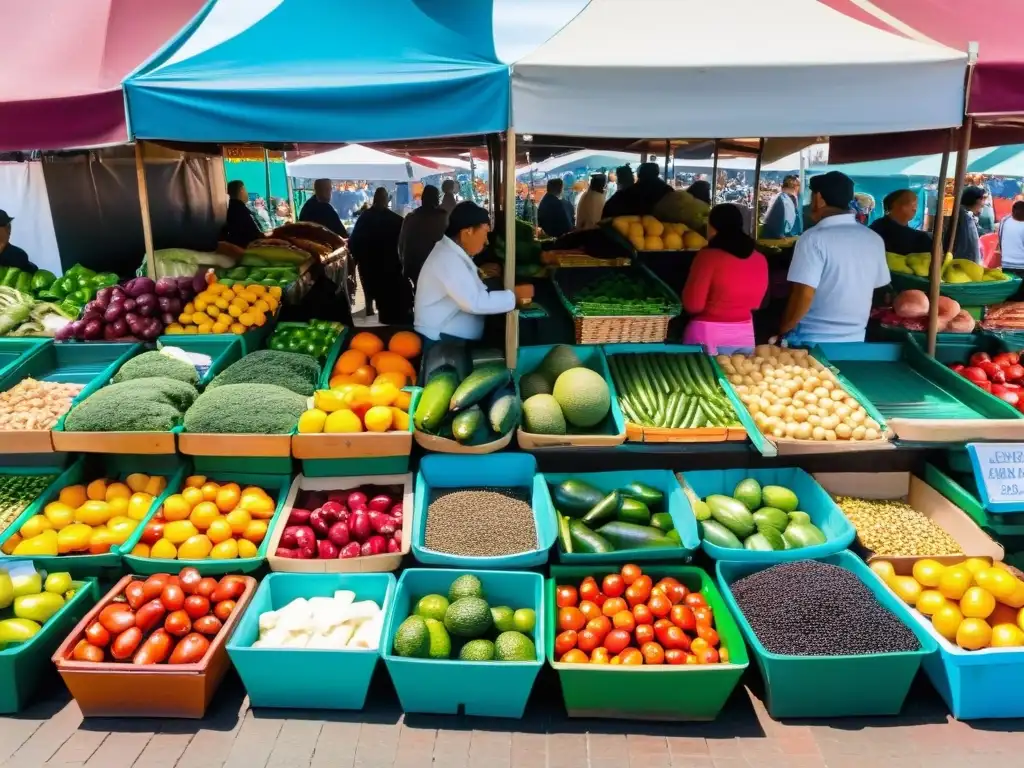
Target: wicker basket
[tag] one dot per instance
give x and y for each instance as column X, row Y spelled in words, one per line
column 965, row 294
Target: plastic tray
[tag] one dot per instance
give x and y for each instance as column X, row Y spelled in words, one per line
column 110, row 689
column 610, row 432
column 214, row 454
column 369, row 564
column 966, row 294
column 276, row 486
column 463, row 472
column 331, row 679
column 832, row 686
column 23, row 667
column 16, row 350
column 812, row 498
column 687, row 692
column 35, row 507
column 444, row 687
column 677, row 506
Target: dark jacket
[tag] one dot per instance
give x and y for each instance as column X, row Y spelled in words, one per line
column 374, row 246
column 240, row 228
column 13, row 256
column 324, row 214
column 637, row 200
column 900, row 238
column 553, row 216
column 966, row 243
column 421, row 230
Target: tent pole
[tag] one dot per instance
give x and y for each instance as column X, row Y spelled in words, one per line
column 935, row 273
column 291, row 195
column 757, row 189
column 668, row 151
column 266, row 172
column 714, row 174
column 958, row 181
column 147, row 225
column 512, row 319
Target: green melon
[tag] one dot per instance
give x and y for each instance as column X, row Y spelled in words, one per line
column 583, row 397
column 543, row 416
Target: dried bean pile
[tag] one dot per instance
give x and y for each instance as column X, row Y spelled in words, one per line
column 893, row 527
column 32, row 404
column 481, row 522
column 809, row 608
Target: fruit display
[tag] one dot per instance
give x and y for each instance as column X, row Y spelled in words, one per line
column 1001, row 374
column 628, row 619
column 220, row 308
column 975, row 603
column 29, row 599
column 764, row 519
column 893, row 527
column 1008, row 316
column 646, row 233
column 591, row 521
column 953, row 270
column 464, row 626
column 16, row 493
column 368, row 358
column 314, row 338
column 327, row 525
column 600, row 292
column 563, row 396
column 162, row 620
column 674, row 391
column 88, row 519
column 261, row 273
column 481, row 522
column 207, row 520
column 793, row 396
column 910, row 310
column 334, row 623
column 152, row 404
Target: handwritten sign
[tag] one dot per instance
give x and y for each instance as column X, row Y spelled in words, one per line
column 999, row 474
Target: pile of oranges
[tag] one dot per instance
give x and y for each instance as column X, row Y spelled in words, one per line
column 367, row 387
column 227, row 309
column 208, row 520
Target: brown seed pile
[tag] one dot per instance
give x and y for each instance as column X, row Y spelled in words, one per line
column 481, row 522
column 893, row 527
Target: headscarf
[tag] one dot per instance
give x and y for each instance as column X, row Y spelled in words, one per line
column 466, row 215
column 729, row 235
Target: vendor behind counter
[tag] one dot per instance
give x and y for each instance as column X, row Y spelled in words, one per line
column 10, row 254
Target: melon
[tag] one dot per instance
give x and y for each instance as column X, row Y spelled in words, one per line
column 583, row 397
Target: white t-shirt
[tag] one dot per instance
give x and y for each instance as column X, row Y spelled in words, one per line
column 844, row 262
column 1011, row 243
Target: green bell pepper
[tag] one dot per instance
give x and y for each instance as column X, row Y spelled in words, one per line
column 57, row 289
column 70, row 307
column 78, row 271
column 24, row 283
column 11, row 278
column 42, row 280
column 103, row 280
column 80, row 296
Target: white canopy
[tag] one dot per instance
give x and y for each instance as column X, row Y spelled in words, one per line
column 586, row 158
column 356, row 162
column 745, row 68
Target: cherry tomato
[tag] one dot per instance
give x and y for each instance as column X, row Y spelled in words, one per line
column 675, row 656
column 86, row 651
column 588, row 641
column 229, row 588
column 599, row 656
column 178, row 623
column 196, row 606
column 708, row 634
column 126, row 643
column 575, row 656
column 643, row 614
column 206, row 587
column 615, row 661
column 189, row 578
column 707, row 656
column 661, row 630
column 566, row 596
column 155, row 650
column 644, row 634
column 224, row 609
column 153, row 532
column 698, row 645
column 600, row 626
column 616, row 640
column 565, row 642
column 613, row 585
column 635, row 595
column 590, row 610
column 207, row 625
column 624, row 620
column 682, row 616
column 676, row 638
column 116, row 618
column 723, row 655
column 154, row 585
column 631, row 573
column 695, row 600
column 659, row 605
column 150, row 615
column 653, row 653
column 691, row 659
column 631, row 657
column 613, row 605
column 571, row 618
column 135, row 593
column 703, row 616
column 600, row 599
column 672, row 589
column 189, row 649
column 643, row 582
column 97, row 634
column 173, row 597
column 589, row 589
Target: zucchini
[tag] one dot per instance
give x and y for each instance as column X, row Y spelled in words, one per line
column 434, row 400
column 586, row 541
column 732, row 514
column 623, row 535
column 478, row 385
column 575, row 498
column 634, row 511
column 758, row 543
column 662, row 521
column 644, row 493
column 465, row 423
column 717, row 534
column 503, row 410
column 606, row 509
column 563, row 534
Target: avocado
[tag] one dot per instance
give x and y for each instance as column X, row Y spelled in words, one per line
column 412, row 638
column 468, row 617
column 503, row 618
column 465, row 586
column 477, row 650
column 514, row 646
column 559, row 359
column 779, row 497
column 533, row 384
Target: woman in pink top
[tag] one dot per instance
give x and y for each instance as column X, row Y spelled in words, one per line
column 728, row 280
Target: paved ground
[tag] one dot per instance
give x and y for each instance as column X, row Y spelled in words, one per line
column 52, row 733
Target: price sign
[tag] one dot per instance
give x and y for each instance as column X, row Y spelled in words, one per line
column 999, row 475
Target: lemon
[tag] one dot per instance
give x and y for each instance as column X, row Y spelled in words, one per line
column 141, row 550
column 883, row 569
column 930, row 601
column 954, row 581
column 196, row 547
column 219, row 530
column 1002, row 584
column 973, row 634
column 378, row 419
column 1007, row 636
column 343, row 420
column 72, row 495
column 328, row 400
column 977, row 603
column 34, row 526
column 976, row 564
column 247, row 549
column 906, row 588
column 163, row 550
column 74, row 538
column 947, row 621
column 136, row 481
column 226, row 550
column 928, row 572
column 179, row 531
column 59, row 515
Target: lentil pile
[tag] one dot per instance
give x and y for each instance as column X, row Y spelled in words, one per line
column 893, row 527
column 807, row 608
column 32, row 404
column 17, row 492
column 481, row 522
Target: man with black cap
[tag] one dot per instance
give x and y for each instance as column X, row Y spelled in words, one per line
column 837, row 265
column 12, row 255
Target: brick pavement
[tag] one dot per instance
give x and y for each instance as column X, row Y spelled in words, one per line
column 53, row 733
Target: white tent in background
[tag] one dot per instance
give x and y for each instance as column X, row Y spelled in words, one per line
column 449, row 164
column 356, row 162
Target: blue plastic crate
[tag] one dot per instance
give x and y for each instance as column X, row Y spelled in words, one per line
column 331, row 679
column 677, row 506
column 483, row 688
column 812, row 498
column 494, row 470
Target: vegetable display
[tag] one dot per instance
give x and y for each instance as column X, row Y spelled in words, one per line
column 465, row 626
column 910, row 310
column 630, row 292
column 677, row 391
column 628, row 619
column 27, row 602
column 162, row 620
column 293, row 371
column 208, row 520
column 88, row 519
column 259, row 409
column 764, row 519
column 152, row 404
column 32, row 404
column 313, row 338
column 893, row 527
column 334, row 623
column 343, row 524
column 975, row 603
column 252, row 273
column 77, row 287
column 646, row 233
column 563, row 396
column 219, row 308
column 21, row 315
column 1001, row 374
column 154, row 363
column 481, row 522
column 135, row 310
column 16, row 493
column 593, row 522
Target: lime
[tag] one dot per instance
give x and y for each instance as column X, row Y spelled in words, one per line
column 503, row 618
column 432, row 607
column 440, row 643
column 523, row 620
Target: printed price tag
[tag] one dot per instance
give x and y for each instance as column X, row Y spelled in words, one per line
column 999, row 475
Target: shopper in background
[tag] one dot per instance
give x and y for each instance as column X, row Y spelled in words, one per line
column 448, row 200
column 966, row 241
column 240, row 227
column 553, row 215
column 318, row 209
column 701, row 190
column 591, row 203
column 837, row 265
column 727, row 281
column 421, row 231
column 374, row 246
column 1011, row 239
column 11, row 255
column 894, row 227
column 783, row 218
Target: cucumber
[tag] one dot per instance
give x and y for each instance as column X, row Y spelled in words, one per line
column 662, row 521
column 683, row 373
column 645, row 493
column 446, row 354
column 624, row 535
column 732, row 514
column 606, row 509
column 478, row 385
column 503, row 410
column 465, row 423
column 634, row 511
column 586, row 541
column 575, row 498
column 563, row 534
column 717, row 534
column 433, row 406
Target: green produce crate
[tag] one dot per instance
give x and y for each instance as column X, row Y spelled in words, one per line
column 23, row 667
column 37, row 504
column 335, row 350
column 222, row 349
column 16, row 350
column 966, row 294
column 832, row 686
column 683, row 692
column 949, row 343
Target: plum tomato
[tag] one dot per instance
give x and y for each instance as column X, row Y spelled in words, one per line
column 589, row 610
column 691, row 659
column 566, row 596
column 643, row 582
column 178, row 623
column 695, row 600
column 190, row 578
column 196, row 606
column 613, row 605
column 189, row 649
column 86, row 651
column 135, row 593
column 575, row 656
column 698, row 645
column 153, row 532
column 571, row 618
column 173, row 597
column 600, row 626
column 643, row 614
column 631, row 573
column 600, row 656
column 126, row 643
column 588, row 641
column 116, row 618
column 682, row 616
column 624, row 620
column 154, row 586
column 150, row 615
column 589, row 589
column 708, row 656
column 675, row 656
column 660, row 605
column 703, row 616
column 672, row 589
column 229, row 588
column 206, row 587
column 631, row 657
column 644, row 634
column 708, row 634
column 676, row 638
column 565, row 642
column 613, row 585
column 224, row 609
column 97, row 635
column 207, row 625
column 653, row 653
column 616, row 641
column 661, row 630
column 155, row 649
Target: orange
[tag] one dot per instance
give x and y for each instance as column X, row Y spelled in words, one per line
column 73, row 495
column 176, row 507
column 340, row 379
column 389, row 361
column 403, row 401
column 157, row 484
column 192, row 496
column 118, row 491
column 101, row 541
column 254, row 490
column 973, row 634
column 239, row 520
column 378, row 419
column 139, row 505
column 97, row 490
column 259, row 507
column 137, row 481
column 204, row 513
column 406, row 343
column 349, row 361
column 227, row 498
column 195, row 481
column 364, row 374
column 357, row 395
column 219, row 530
column 210, row 490
column 367, row 343
column 397, row 378
column 255, row 531
column 141, row 550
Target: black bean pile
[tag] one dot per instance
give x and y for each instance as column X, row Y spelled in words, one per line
column 808, row 608
column 481, row 522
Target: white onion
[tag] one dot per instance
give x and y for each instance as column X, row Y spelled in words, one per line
column 843, row 431
column 818, row 433
column 871, row 434
column 830, row 435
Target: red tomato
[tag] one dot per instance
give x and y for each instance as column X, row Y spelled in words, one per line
column 116, row 618
column 659, row 605
column 575, row 656
column 631, row 657
column 644, row 634
column 613, row 585
column 134, row 593
column 707, row 656
column 126, row 643
column 643, row 614
column 571, row 618
column 588, row 641
column 196, row 606
column 600, row 626
column 86, row 651
column 154, row 585
column 207, row 625
column 672, row 589
column 616, row 640
column 229, row 588
column 653, row 653
column 224, row 609
column 189, row 649
column 631, row 573
column 613, row 605
column 566, row 596
column 636, row 595
column 589, row 589
column 708, row 634
column 624, row 620
column 599, row 656
column 675, row 656
column 565, row 642
column 661, row 629
column 703, row 616
column 695, row 600
column 682, row 616
column 97, row 634
column 150, row 615
column 173, row 597
column 676, row 638
column 590, row 610
column 600, row 598
column 206, row 587
column 189, row 578
column 643, row 582
column 155, row 650
column 153, row 532
column 178, row 623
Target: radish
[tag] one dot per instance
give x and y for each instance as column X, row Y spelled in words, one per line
column 326, row 550
column 286, row 552
column 288, row 536
column 356, row 499
column 394, row 546
column 339, row 534
column 396, row 509
column 298, row 516
column 380, row 503
column 320, row 522
column 305, row 539
column 359, row 526
column 378, row 545
column 352, row 549
column 332, row 510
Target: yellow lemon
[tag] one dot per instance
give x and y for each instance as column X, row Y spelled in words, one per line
column 179, row 531
column 358, row 395
column 97, row 490
column 195, row 548
column 163, row 550
column 73, row 495
column 954, row 581
column 378, row 419
column 192, row 496
column 343, row 421
column 101, row 541
column 117, row 491
column 139, row 504
column 239, row 520
column 977, row 603
column 226, row 550
column 930, row 601
column 74, row 538
column 43, row 545
column 976, row 564
column 312, row 422
column 258, row 507
column 384, row 393
column 1007, row 636
column 1016, row 600
column 973, row 634
column 59, row 514
column 93, row 513
column 328, row 400
column 1002, row 584
column 247, row 549
column 34, row 526
column 400, row 419
column 927, row 572
column 118, row 506
column 121, row 527
column 204, row 513
column 195, row 481
column 219, row 530
column 906, row 588
column 137, row 481
column 176, row 507
column 883, row 569
column 947, row 620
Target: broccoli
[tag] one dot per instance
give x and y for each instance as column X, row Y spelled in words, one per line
column 158, row 389
column 290, row 370
column 150, row 364
column 152, row 404
column 263, row 409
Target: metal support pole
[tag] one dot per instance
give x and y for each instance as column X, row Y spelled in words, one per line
column 714, row 175
column 512, row 319
column 147, row 225
column 958, row 181
column 757, row 190
column 668, row 151
column 935, row 272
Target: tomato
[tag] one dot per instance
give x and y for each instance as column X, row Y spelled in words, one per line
column 675, row 656
column 97, row 634
column 600, row 656
column 703, row 616
column 590, row 610
column 230, row 588
column 653, row 653
column 708, row 634
column 600, row 599
column 196, row 606
column 695, row 600
column 698, row 645
column 661, row 630
column 126, row 643
column 589, row 589
column 178, row 623
column 707, row 656
column 659, row 604
column 682, row 616
column 155, row 650
column 153, row 532
column 189, row 649
column 154, row 585
column 672, row 589
column 643, row 614
column 206, row 587
column 566, row 596
column 565, row 642
column 631, row 573
column 600, row 626
column 613, row 585
column 613, row 605
column 150, row 615
column 636, row 595
column 631, row 657
column 615, row 661
column 173, row 597
column 616, row 640
column 723, row 655
column 588, row 641
column 116, row 618
column 571, row 618
column 644, row 634
column 190, row 578
column 624, row 620
column 134, row 593
column 676, row 638
column 644, row 582
column 224, row 609
column 207, row 625
column 86, row 651
column 691, row 659
column 575, row 656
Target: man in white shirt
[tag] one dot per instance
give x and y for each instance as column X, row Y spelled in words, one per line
column 837, row 265
column 451, row 299
column 1011, row 238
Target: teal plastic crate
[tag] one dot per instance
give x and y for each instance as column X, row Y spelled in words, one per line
column 16, row 350
column 506, row 470
column 25, row 666
column 331, row 679
column 222, row 349
column 277, row 486
column 676, row 505
column 812, row 498
column 482, row 688
column 832, row 686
